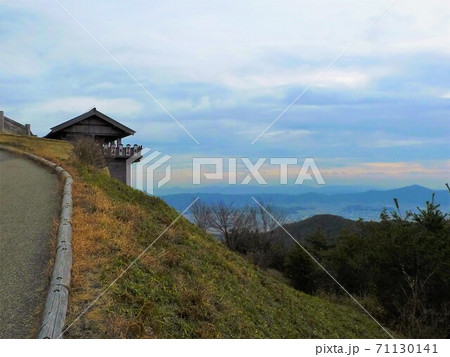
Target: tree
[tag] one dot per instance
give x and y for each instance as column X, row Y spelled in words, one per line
column 231, row 222
column 301, row 270
column 411, row 269
column 431, row 217
column 402, row 264
column 349, row 262
column 201, row 215
column 248, row 230
column 263, row 241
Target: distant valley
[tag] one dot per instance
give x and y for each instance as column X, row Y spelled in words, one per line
column 366, row 205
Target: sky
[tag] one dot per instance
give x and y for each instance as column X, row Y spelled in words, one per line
column 225, row 70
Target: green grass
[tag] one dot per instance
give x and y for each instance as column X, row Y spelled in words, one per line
column 191, row 285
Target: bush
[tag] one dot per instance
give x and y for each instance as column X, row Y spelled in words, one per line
column 89, row 152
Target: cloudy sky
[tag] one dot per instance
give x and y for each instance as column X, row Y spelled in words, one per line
column 380, row 116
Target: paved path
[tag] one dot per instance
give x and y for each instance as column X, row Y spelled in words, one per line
column 29, row 203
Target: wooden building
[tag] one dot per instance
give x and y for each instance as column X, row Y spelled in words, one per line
column 104, row 130
column 94, row 124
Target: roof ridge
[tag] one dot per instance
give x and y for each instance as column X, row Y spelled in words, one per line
column 87, row 115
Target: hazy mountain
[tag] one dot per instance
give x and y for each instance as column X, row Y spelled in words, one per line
column 354, row 205
column 264, row 189
column 328, row 224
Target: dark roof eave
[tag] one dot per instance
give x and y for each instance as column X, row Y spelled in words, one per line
column 53, row 135
column 88, row 114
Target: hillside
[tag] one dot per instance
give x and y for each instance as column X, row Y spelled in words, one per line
column 186, row 285
column 328, row 224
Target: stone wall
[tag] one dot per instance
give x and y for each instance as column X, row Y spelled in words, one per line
column 10, row 126
column 118, row 169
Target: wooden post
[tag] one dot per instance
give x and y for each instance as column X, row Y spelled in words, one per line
column 2, row 122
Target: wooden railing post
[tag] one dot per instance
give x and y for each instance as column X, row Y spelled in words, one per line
column 2, row 121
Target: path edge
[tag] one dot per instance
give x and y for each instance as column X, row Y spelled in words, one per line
column 57, row 301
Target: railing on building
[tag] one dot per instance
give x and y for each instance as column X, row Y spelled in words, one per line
column 112, row 150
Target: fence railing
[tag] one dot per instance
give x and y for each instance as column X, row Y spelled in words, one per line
column 111, row 150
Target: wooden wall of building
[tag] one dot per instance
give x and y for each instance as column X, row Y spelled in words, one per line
column 94, row 127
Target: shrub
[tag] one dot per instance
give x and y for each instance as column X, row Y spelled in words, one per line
column 89, row 152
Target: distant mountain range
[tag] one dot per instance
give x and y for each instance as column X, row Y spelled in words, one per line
column 265, row 189
column 366, row 205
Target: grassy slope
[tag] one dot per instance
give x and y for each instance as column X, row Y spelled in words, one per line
column 187, row 284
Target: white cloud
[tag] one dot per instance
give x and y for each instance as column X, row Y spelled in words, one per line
column 210, row 41
column 123, row 107
column 186, row 52
column 388, row 143
column 287, row 135
column 336, row 78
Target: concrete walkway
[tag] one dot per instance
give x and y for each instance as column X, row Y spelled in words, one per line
column 29, row 203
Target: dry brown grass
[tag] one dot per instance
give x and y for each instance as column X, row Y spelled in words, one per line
column 100, row 234
column 55, row 150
